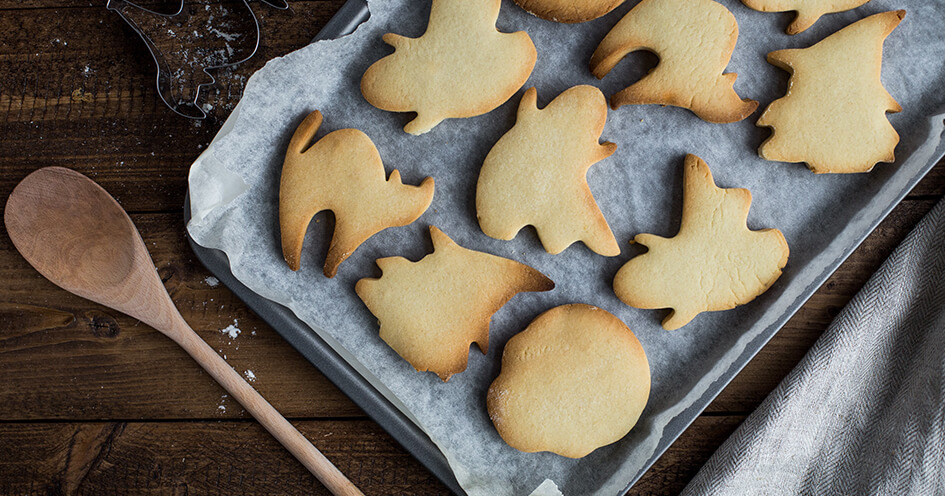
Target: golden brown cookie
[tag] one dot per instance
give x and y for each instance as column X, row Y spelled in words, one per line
column 431, row 311
column 808, row 11
column 536, row 173
column 714, row 263
column 341, row 172
column 569, row 11
column 833, row 116
column 694, row 40
column 461, row 66
column 574, row 380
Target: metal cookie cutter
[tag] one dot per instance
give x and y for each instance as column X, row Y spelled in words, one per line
column 199, row 37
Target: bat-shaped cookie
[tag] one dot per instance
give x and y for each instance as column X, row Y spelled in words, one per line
column 431, row 311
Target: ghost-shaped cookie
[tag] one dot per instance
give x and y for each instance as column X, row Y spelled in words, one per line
column 808, row 11
column 341, row 172
column 462, row 66
column 833, row 116
column 714, row 263
column 536, row 173
column 431, row 311
column 694, row 40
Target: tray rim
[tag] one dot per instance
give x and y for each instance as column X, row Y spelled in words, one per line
column 407, row 433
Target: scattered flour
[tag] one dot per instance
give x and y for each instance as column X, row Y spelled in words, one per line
column 232, row 330
column 225, row 36
column 250, row 376
column 212, row 281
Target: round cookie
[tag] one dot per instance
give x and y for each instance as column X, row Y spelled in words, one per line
column 568, row 11
column 574, row 380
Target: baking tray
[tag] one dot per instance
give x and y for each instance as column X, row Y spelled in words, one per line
column 381, row 410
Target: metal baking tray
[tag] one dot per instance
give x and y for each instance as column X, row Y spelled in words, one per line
column 382, row 411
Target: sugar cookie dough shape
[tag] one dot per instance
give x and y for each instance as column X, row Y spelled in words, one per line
column 569, row 11
column 714, row 263
column 341, row 172
column 833, row 116
column 808, row 11
column 694, row 40
column 536, row 173
column 462, row 66
column 431, row 311
column 574, row 380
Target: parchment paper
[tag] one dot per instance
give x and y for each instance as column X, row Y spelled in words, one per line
column 234, row 190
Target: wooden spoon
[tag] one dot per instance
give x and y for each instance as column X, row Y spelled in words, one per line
column 77, row 236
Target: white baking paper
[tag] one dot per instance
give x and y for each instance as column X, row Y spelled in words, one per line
column 234, row 190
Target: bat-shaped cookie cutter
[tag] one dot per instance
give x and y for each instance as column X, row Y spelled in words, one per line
column 169, row 92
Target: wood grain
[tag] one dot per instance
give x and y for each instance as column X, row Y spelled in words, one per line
column 225, row 458
column 148, row 458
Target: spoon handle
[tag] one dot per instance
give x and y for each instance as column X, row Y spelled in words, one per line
column 269, row 417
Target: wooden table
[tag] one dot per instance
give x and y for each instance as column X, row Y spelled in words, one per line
column 94, row 402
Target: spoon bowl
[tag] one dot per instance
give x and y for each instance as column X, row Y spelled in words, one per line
column 77, row 236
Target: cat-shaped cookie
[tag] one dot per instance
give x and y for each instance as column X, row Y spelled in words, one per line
column 341, row 172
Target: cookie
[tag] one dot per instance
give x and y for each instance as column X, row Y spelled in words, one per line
column 431, row 311
column 808, row 11
column 694, row 40
column 574, row 380
column 833, row 116
column 535, row 174
column 341, row 172
column 461, row 66
column 568, row 11
column 714, row 263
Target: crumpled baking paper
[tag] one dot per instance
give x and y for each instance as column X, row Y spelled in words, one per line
column 234, row 192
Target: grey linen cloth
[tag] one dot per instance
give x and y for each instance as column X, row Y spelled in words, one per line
column 862, row 414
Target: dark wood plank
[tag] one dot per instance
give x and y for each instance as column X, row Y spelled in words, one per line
column 180, row 458
column 680, row 463
column 241, row 458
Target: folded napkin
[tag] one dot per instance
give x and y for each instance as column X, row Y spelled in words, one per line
column 864, row 411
